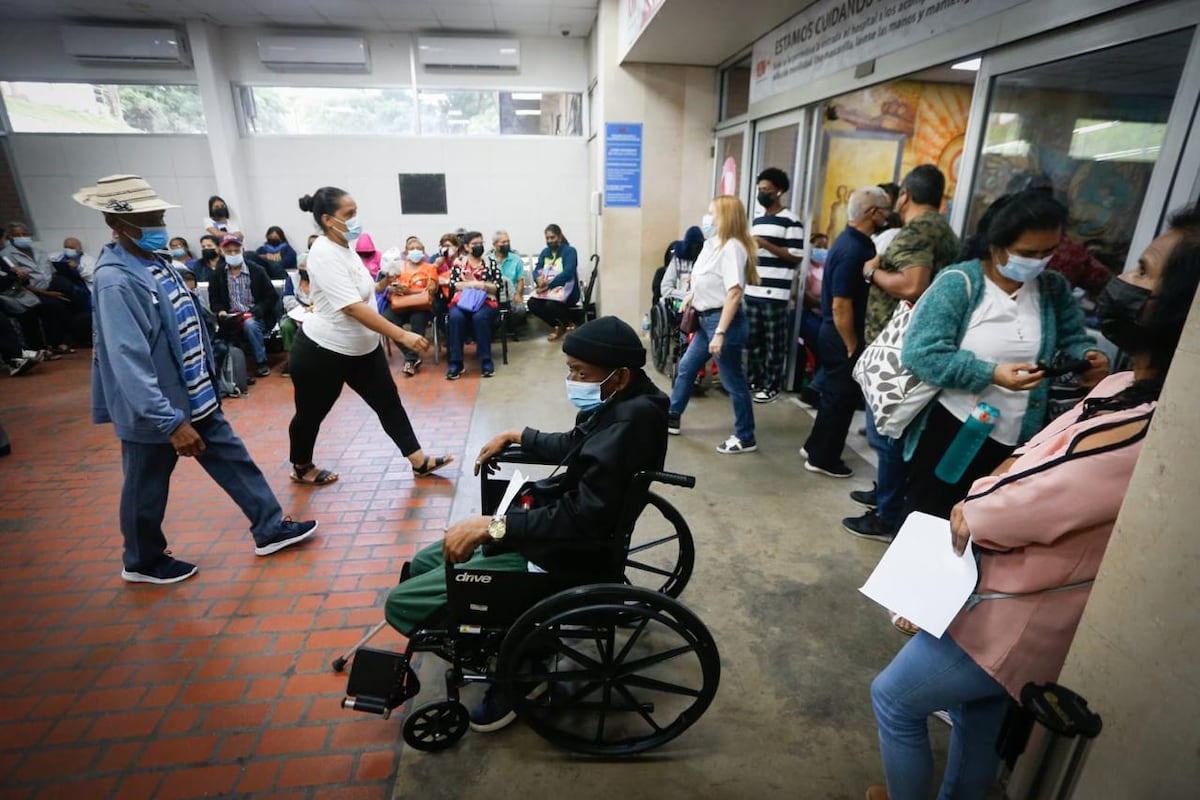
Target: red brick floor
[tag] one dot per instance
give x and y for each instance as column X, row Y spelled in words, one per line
column 219, row 685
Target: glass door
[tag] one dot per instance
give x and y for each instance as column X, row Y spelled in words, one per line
column 731, row 156
column 1096, row 116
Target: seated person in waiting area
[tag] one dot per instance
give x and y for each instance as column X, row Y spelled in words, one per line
column 410, row 294
column 244, row 300
column 621, row 430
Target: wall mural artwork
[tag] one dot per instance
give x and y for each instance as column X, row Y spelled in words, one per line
column 878, row 134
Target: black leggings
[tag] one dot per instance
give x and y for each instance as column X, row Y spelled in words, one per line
column 554, row 313
column 318, row 375
column 925, row 492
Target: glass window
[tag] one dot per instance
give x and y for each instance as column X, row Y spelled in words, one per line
column 777, row 148
column 541, row 113
column 453, row 112
column 298, row 110
column 1090, row 128
column 102, row 108
column 735, row 89
column 729, row 163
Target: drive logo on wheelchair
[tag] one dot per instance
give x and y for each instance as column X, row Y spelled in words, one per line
column 466, row 577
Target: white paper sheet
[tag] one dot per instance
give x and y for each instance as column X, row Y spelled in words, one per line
column 920, row 577
column 298, row 313
column 514, row 486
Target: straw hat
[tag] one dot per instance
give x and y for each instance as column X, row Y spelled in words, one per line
column 121, row 194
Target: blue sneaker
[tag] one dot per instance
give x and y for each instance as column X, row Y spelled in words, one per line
column 289, row 533
column 165, row 570
column 495, row 712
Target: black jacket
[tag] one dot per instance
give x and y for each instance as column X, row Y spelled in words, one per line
column 572, row 526
column 262, row 291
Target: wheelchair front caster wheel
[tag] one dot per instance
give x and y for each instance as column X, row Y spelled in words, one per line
column 436, row 726
column 339, row 664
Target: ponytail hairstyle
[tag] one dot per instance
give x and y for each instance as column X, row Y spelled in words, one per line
column 322, row 202
column 732, row 223
column 557, row 231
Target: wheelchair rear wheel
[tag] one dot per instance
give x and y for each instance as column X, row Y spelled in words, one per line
column 662, row 332
column 628, row 669
column 436, row 726
column 661, row 552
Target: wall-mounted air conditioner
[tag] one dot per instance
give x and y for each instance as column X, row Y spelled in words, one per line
column 468, row 54
column 162, row 47
column 300, row 53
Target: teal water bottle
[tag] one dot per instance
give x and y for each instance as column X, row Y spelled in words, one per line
column 964, row 448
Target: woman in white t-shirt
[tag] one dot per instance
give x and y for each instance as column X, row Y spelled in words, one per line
column 219, row 223
column 725, row 265
column 340, row 345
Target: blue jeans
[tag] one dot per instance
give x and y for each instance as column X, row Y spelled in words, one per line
column 480, row 323
column 729, row 363
column 891, row 477
column 929, row 674
column 148, row 469
column 252, row 329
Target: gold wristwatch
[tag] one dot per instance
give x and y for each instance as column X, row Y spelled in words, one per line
column 497, row 528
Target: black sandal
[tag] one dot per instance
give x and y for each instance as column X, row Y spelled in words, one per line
column 324, row 477
column 426, row 469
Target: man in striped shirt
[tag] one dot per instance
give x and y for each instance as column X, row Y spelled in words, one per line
column 153, row 379
column 780, row 238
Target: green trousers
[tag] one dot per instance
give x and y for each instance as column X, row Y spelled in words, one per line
column 287, row 332
column 410, row 603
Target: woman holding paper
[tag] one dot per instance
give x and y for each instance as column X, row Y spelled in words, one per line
column 1042, row 521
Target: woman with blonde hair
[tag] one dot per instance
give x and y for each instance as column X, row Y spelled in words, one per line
column 725, row 265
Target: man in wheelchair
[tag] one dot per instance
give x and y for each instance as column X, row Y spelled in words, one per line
column 570, row 525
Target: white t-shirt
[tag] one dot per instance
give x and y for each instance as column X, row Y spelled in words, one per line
column 882, row 240
column 719, row 268
column 228, row 226
column 1004, row 330
column 337, row 278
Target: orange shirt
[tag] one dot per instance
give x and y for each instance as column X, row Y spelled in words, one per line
column 421, row 277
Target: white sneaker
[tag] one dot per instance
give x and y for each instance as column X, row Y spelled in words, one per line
column 32, row 355
column 763, row 396
column 734, row 445
column 19, row 366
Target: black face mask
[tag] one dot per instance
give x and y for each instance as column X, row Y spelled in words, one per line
column 207, row 254
column 274, row 242
column 219, row 213
column 1119, row 306
column 766, row 199
column 477, row 250
column 503, row 249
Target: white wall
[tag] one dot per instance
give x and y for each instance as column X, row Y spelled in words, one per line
column 516, row 183
column 52, row 167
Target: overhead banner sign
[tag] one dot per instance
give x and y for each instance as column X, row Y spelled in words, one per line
column 833, row 35
column 623, row 165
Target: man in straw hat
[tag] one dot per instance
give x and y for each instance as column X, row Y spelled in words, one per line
column 153, row 378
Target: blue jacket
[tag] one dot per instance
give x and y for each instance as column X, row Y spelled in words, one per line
column 939, row 323
column 137, row 360
column 570, row 267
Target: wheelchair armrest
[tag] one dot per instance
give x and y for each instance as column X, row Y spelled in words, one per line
column 669, row 478
column 515, row 455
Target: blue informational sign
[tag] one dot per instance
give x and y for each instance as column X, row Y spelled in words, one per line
column 623, row 165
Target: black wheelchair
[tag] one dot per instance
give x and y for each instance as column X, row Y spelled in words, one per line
column 668, row 343
column 620, row 666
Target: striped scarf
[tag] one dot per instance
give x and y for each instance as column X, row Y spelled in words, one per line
column 202, row 395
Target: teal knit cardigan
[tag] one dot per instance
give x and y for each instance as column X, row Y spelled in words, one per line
column 940, row 321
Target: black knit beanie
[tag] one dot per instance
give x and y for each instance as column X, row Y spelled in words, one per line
column 606, row 342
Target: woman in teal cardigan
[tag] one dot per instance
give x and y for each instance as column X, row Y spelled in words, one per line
column 979, row 333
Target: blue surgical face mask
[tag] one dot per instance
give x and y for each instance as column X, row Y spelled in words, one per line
column 585, row 395
column 353, row 228
column 70, row 252
column 416, row 256
column 151, row 239
column 1022, row 268
column 708, row 226
column 235, row 261
column 178, row 252
column 819, row 254
column 23, row 242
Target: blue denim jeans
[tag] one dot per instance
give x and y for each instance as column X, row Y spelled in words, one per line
column 479, row 323
column 891, row 476
column 927, row 675
column 148, row 469
column 729, row 363
column 252, row 329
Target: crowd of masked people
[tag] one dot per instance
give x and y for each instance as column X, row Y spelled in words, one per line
column 962, row 343
column 252, row 295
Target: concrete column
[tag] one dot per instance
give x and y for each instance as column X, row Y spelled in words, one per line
column 677, row 108
column 224, row 137
column 1136, row 655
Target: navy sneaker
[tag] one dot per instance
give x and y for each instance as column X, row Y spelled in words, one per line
column 495, row 712
column 289, row 533
column 488, row 369
column 868, row 526
column 454, row 373
column 866, row 499
column 165, row 570
column 673, row 424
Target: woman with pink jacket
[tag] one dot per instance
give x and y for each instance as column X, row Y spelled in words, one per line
column 1040, row 524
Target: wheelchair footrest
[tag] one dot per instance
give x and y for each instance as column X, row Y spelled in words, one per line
column 379, row 681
